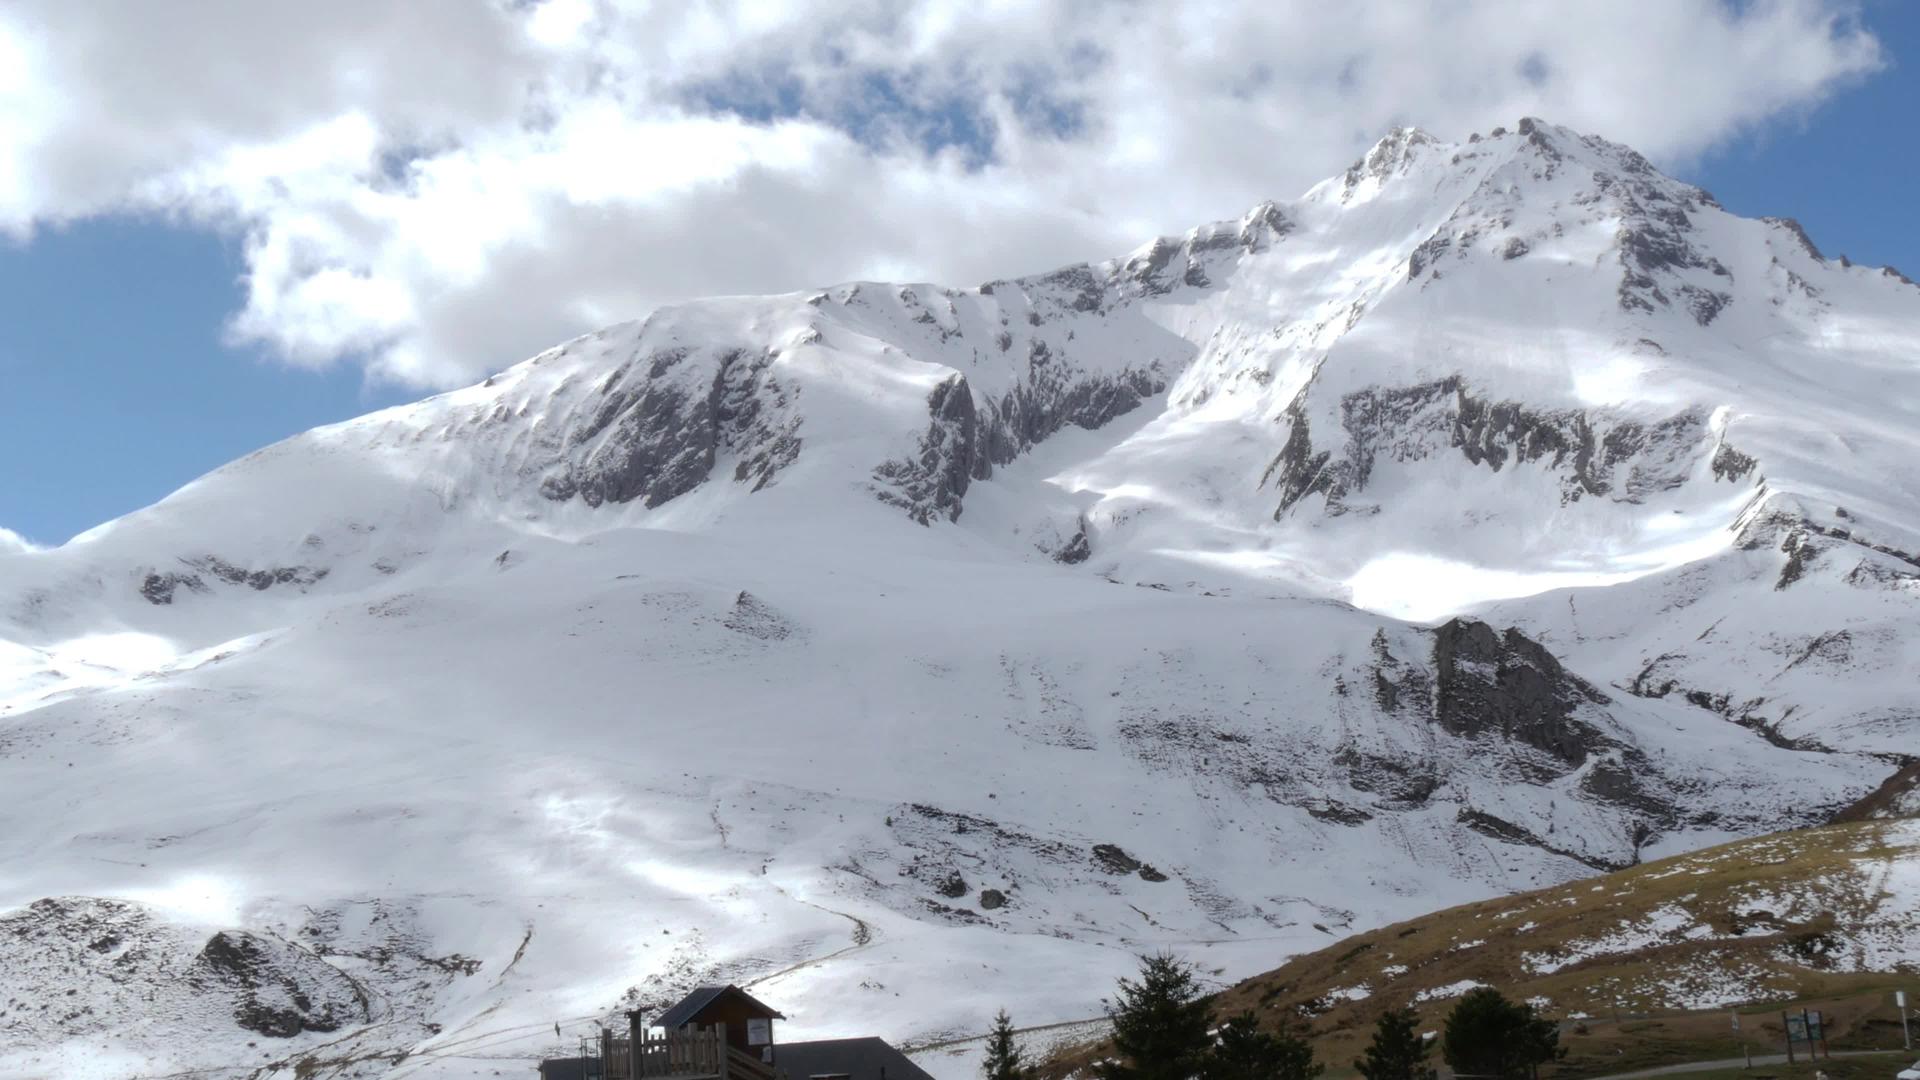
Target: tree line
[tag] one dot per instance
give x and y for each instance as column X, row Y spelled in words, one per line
column 1164, row 1028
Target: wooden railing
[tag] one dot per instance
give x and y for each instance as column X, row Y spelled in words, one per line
column 673, row 1053
column 678, row 1054
column 744, row 1066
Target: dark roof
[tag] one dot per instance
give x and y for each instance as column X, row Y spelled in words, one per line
column 571, row 1069
column 860, row 1059
column 695, row 1003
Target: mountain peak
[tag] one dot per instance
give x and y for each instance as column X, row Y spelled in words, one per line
column 1392, row 156
column 647, row 629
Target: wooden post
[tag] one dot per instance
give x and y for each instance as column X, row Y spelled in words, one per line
column 636, row 1035
column 720, row 1049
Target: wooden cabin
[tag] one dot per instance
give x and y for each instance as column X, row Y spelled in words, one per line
column 725, row 1033
column 746, row 1021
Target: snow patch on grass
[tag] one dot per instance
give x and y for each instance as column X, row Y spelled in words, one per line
column 1451, row 990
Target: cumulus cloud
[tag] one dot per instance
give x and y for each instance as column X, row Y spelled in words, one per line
column 439, row 188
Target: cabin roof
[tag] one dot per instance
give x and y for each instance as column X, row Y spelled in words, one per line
column 574, row 1068
column 860, row 1059
column 697, row 1002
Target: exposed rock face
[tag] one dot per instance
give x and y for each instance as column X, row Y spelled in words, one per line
column 934, row 481
column 1654, row 234
column 1167, row 264
column 105, row 960
column 1113, row 859
column 1389, row 157
column 1508, row 685
column 1077, row 549
column 964, row 441
column 279, row 990
column 1599, row 455
column 1299, row 470
column 658, row 426
column 1798, row 232
column 1055, row 397
column 1731, row 464
column 1661, row 677
column 1660, row 265
column 1506, row 831
column 160, row 588
column 1508, row 688
column 662, row 420
column 1402, row 689
column 1805, row 541
column 756, row 619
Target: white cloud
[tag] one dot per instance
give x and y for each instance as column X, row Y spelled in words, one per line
column 437, row 189
column 12, row 542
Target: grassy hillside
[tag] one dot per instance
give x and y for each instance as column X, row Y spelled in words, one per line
column 1645, row 964
column 1898, row 797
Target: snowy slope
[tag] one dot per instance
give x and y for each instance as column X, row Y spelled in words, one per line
column 911, row 651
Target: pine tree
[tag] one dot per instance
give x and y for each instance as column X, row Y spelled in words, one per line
column 1397, row 1051
column 1160, row 1024
column 1003, row 1056
column 1244, row 1052
column 1488, row 1036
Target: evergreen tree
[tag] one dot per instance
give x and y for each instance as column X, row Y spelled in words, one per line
column 1244, row 1052
column 1003, row 1057
column 1397, row 1051
column 1159, row 1024
column 1488, row 1036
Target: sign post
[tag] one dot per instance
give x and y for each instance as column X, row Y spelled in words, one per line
column 1745, row 1046
column 1900, row 999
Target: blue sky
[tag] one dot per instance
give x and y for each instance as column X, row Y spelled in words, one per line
column 1850, row 170
column 118, row 382
column 117, row 388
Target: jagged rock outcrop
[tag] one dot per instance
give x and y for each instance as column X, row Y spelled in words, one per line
column 279, row 990
column 160, row 588
column 1506, row 684
column 658, row 424
column 964, row 442
column 933, row 483
column 1597, row 454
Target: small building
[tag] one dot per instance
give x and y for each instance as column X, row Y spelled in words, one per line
column 725, row 1033
column 746, row 1020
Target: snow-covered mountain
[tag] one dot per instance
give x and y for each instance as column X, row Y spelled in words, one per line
column 1492, row 514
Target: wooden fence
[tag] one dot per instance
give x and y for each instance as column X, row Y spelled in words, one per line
column 678, row 1054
